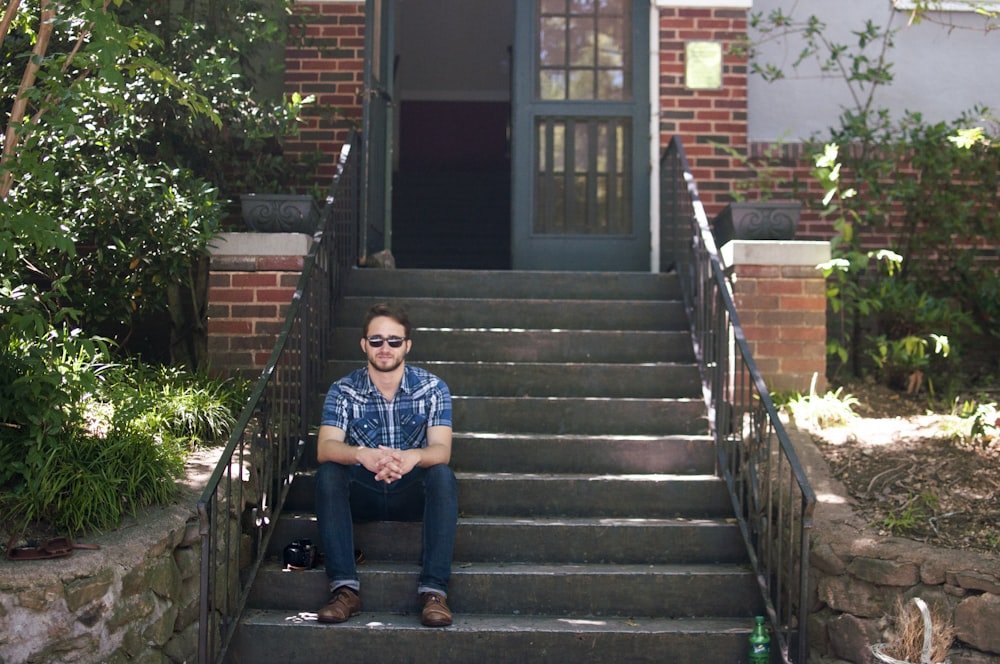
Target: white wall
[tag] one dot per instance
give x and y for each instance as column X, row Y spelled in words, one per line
column 939, row 72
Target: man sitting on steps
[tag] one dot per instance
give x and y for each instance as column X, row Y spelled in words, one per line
column 383, row 446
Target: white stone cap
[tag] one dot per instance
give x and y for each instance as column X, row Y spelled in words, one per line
column 261, row 244
column 774, row 252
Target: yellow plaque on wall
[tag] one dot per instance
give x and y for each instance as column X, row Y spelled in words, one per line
column 703, row 65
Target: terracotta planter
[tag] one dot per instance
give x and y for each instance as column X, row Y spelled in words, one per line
column 279, row 213
column 757, row 220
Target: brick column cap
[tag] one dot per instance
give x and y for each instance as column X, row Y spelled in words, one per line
column 260, row 244
column 793, row 253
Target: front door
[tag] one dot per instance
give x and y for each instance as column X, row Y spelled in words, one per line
column 580, row 161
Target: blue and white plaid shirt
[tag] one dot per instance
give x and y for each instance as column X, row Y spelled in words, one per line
column 355, row 405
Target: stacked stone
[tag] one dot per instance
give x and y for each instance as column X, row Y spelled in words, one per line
column 858, row 578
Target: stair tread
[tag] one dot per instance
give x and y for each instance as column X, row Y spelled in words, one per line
column 582, row 437
column 580, row 522
column 511, row 283
column 492, row 569
column 480, row 623
column 631, row 477
column 518, row 363
column 528, row 301
column 697, row 401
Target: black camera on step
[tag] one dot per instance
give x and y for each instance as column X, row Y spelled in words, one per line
column 300, row 554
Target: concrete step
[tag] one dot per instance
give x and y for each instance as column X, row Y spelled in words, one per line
column 283, row 636
column 542, row 540
column 569, row 590
column 525, row 495
column 575, row 416
column 513, row 284
column 509, row 453
column 521, row 379
column 580, row 416
column 607, row 496
column 512, row 453
column 559, row 346
column 532, row 314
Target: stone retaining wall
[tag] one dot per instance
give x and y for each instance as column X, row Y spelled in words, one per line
column 134, row 600
column 857, row 577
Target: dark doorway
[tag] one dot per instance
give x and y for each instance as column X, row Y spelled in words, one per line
column 451, row 177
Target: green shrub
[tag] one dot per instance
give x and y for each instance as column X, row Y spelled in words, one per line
column 925, row 191
column 143, row 127
column 894, row 314
column 100, row 440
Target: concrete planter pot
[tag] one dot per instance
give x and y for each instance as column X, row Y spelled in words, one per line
column 279, row 213
column 757, row 220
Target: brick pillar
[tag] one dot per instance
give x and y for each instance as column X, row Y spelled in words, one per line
column 252, row 278
column 781, row 301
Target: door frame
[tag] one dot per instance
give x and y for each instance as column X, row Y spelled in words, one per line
column 576, row 252
column 375, row 229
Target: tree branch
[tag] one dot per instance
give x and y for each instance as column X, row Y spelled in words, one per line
column 20, row 106
column 8, row 18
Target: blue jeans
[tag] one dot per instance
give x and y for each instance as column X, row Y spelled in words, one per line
column 345, row 494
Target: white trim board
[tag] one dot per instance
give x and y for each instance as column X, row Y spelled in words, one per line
column 948, row 5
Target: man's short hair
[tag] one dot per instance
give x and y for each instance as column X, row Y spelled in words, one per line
column 393, row 311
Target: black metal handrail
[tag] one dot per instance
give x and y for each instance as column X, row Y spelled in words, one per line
column 771, row 495
column 245, row 494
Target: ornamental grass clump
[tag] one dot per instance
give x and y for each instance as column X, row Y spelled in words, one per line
column 907, row 642
column 827, row 410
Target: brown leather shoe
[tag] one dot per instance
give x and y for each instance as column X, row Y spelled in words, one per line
column 436, row 612
column 344, row 604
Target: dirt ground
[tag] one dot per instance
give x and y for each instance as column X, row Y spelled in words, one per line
column 910, row 477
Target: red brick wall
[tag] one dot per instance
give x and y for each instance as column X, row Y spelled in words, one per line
column 325, row 58
column 248, row 297
column 783, row 313
column 703, row 117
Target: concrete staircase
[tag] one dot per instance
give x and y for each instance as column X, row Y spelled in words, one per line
column 592, row 526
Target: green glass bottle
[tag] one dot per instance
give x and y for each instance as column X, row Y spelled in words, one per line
column 760, row 643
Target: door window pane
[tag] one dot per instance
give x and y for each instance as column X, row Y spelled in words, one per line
column 583, row 178
column 584, row 43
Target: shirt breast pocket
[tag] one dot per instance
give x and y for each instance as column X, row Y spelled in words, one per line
column 366, row 432
column 412, row 430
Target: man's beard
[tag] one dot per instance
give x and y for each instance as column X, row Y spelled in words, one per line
column 386, row 369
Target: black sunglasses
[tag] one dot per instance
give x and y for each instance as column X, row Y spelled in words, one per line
column 377, row 341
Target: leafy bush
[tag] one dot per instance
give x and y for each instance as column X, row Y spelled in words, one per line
column 123, row 125
column 122, row 152
column 111, row 444
column 904, row 323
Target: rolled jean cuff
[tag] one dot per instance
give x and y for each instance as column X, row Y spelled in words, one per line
column 352, row 584
column 421, row 589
